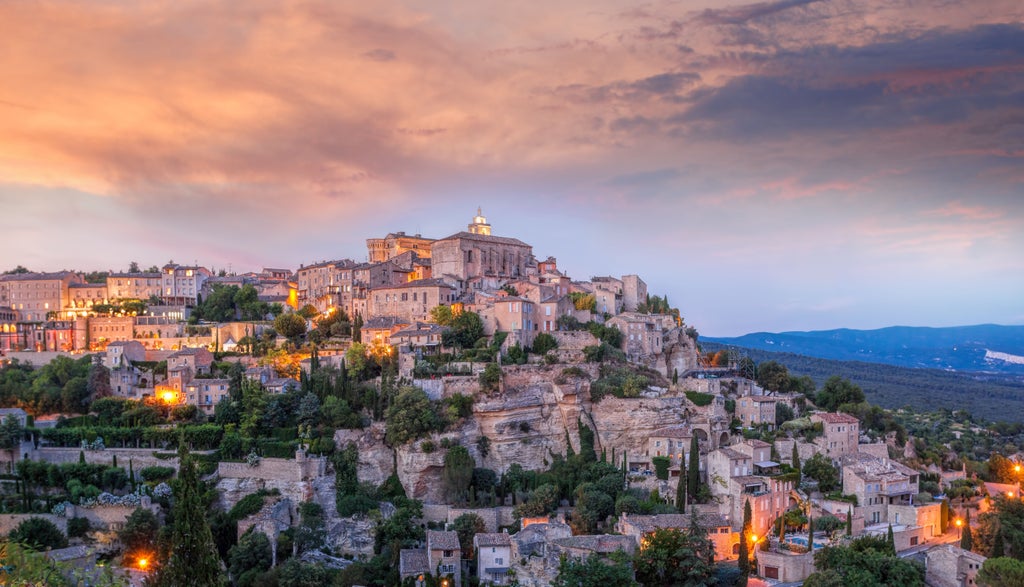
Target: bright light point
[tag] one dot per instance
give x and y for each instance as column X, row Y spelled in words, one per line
column 143, row 563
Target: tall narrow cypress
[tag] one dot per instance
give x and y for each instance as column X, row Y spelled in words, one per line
column 966, row 539
column 849, row 521
column 693, row 469
column 193, row 554
column 796, row 460
column 681, row 496
column 891, row 540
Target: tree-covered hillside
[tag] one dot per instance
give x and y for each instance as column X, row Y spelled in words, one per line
column 996, row 398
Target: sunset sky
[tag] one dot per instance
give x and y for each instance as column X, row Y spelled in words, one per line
column 787, row 165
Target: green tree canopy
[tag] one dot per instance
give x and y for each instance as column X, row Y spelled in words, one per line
column 594, row 571
column 821, row 469
column 38, row 534
column 1001, row 572
column 675, row 557
column 836, row 392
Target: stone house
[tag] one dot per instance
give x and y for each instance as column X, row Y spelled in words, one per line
column 138, row 286
column 411, row 301
column 378, row 330
column 421, row 335
column 878, row 484
column 123, row 353
column 841, row 433
column 642, row 334
column 716, row 526
column 35, row 295
column 516, row 316
column 104, row 330
column 413, row 562
column 947, row 565
column 205, row 394
column 757, row 410
column 83, row 296
column 673, row 442
column 444, row 554
column 182, row 284
column 325, row 285
column 493, row 556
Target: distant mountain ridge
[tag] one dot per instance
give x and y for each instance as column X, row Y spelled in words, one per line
column 986, row 348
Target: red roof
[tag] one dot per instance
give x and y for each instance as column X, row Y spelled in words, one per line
column 836, row 418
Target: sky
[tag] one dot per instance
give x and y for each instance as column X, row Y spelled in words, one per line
column 779, row 165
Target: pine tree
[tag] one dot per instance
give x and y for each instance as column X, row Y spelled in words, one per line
column 693, row 469
column 967, row 539
column 681, row 496
column 891, row 541
column 193, row 554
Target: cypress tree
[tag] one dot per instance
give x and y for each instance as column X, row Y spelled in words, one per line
column 81, row 457
column 891, row 540
column 131, row 473
column 625, row 467
column 693, row 469
column 796, row 459
column 810, row 531
column 997, row 546
column 966, row 539
column 114, row 463
column 193, row 554
column 849, row 521
column 681, row 496
column 744, row 562
column 944, row 516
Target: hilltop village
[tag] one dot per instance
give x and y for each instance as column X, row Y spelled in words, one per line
column 452, row 411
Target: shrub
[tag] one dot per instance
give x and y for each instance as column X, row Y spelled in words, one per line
column 661, row 467
column 428, row 446
column 38, row 534
column 78, row 527
column 490, row 379
column 247, row 506
column 700, row 399
column 543, row 343
column 156, row 474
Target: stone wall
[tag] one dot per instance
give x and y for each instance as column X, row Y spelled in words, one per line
column 270, row 469
column 111, row 517
column 139, row 457
column 494, row 518
column 9, row 522
column 573, row 340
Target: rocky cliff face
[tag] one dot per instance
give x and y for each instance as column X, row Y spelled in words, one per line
column 376, row 460
column 525, row 423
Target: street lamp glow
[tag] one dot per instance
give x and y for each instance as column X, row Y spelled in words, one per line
column 959, row 522
column 143, row 563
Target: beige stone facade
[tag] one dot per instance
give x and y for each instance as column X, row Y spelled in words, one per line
column 35, row 295
column 326, row 285
column 756, row 410
column 878, row 485
column 410, row 301
column 395, row 244
column 841, row 433
column 205, row 394
column 480, row 261
column 181, row 283
column 139, row 286
column 947, row 565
